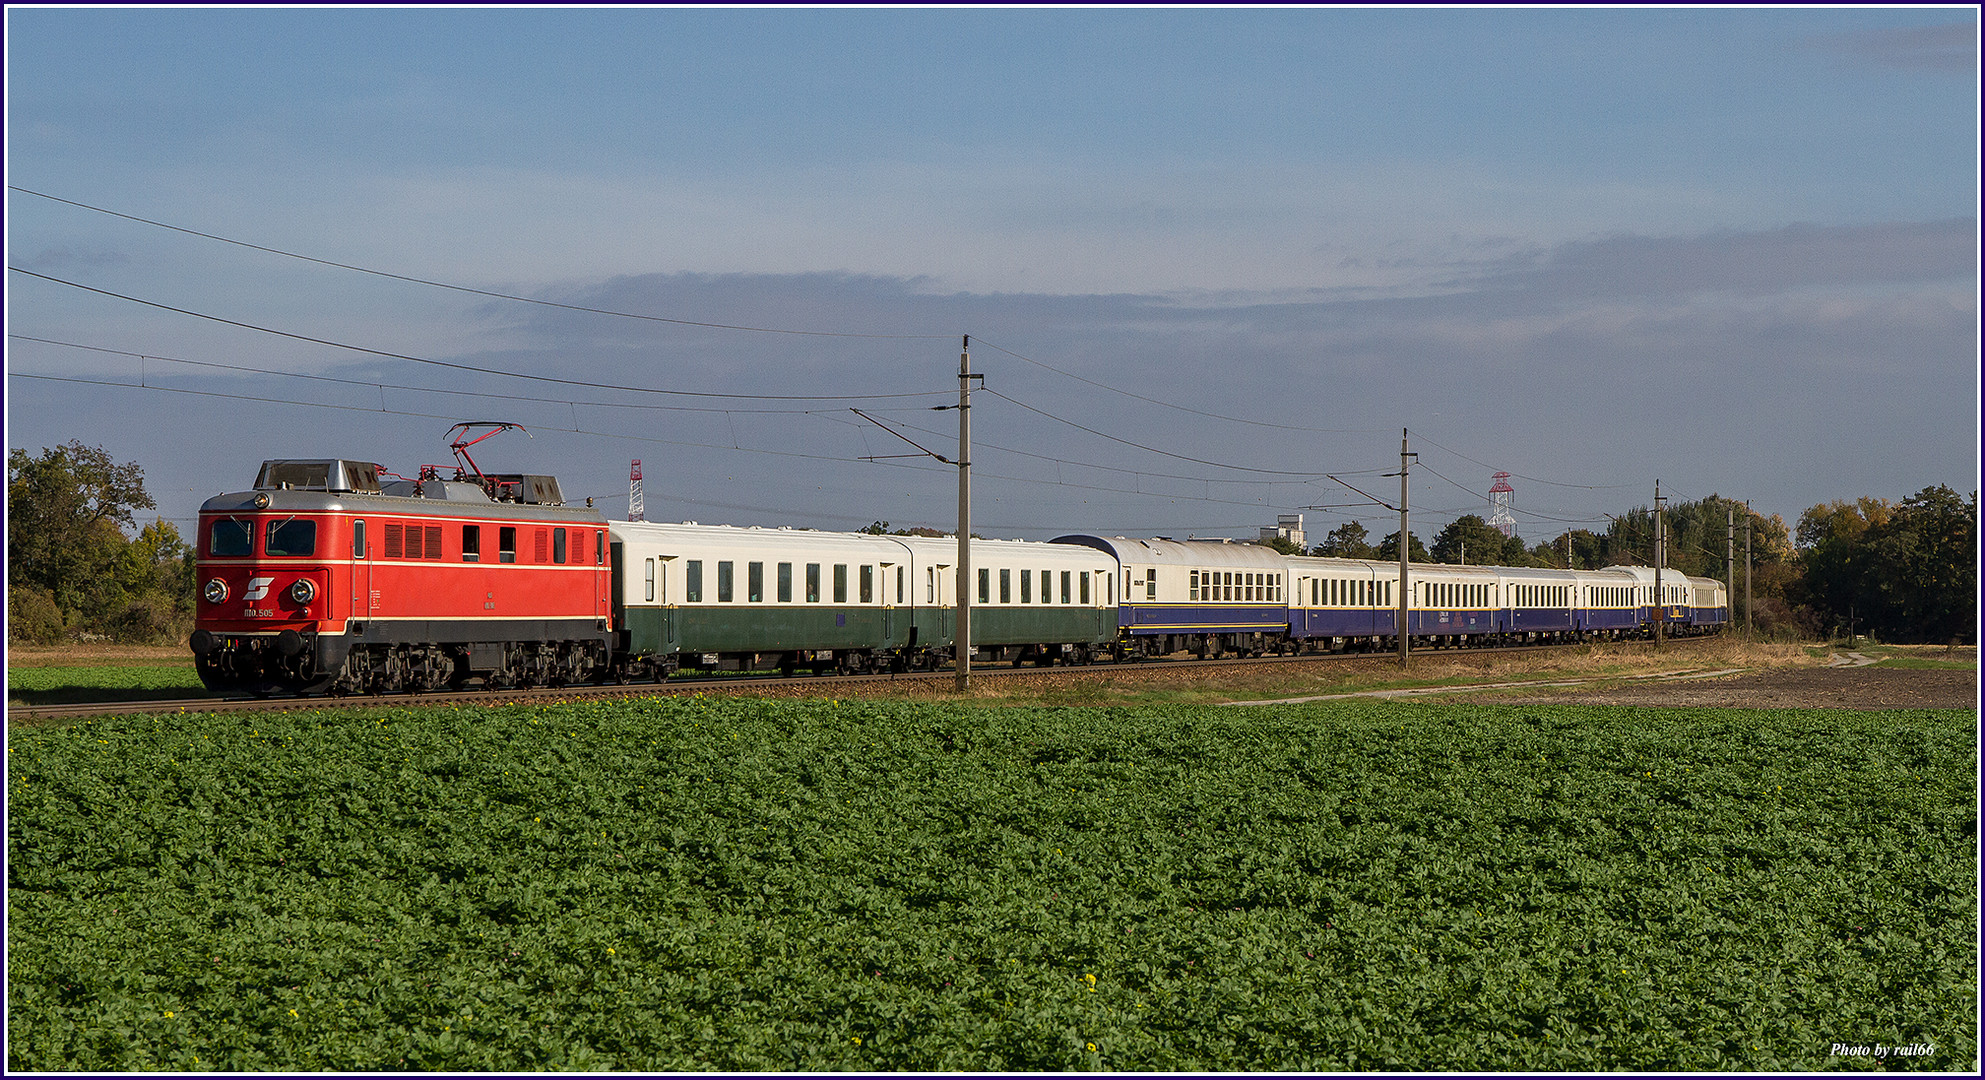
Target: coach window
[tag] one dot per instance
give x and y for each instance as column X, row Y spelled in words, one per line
column 692, row 585
column 726, row 577
column 1192, row 586
column 1005, row 586
column 930, row 585
column 985, row 586
column 506, row 543
column 1066, row 595
column 471, row 543
column 358, row 539
column 754, row 583
column 291, row 537
column 1084, row 578
column 651, row 579
column 813, row 583
column 1026, row 586
column 868, row 584
column 1047, row 586
column 901, row 573
column 785, row 583
column 840, row 583
column 1151, row 584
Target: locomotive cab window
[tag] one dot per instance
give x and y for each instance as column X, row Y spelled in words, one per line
column 231, row 538
column 292, row 537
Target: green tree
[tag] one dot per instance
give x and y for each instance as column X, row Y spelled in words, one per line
column 1469, row 539
column 66, row 511
column 1388, row 548
column 1282, row 544
column 1347, row 541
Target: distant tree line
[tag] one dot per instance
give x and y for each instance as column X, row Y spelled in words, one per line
column 1902, row 572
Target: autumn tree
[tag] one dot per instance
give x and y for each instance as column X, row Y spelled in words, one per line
column 69, row 561
column 1905, row 573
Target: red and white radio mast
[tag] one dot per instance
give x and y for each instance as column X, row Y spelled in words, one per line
column 635, row 511
column 1500, row 497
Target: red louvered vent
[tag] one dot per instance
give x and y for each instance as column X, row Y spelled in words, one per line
column 544, row 546
column 434, row 541
column 393, row 547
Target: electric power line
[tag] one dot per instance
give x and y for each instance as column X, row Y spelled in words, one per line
column 467, row 367
column 464, row 288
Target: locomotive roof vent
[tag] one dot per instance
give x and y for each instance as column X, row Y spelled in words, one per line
column 318, row 474
column 447, row 490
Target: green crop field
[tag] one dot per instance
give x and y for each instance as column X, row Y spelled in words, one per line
column 736, row 885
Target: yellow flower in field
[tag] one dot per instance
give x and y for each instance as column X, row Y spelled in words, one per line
column 1092, row 1048
column 857, row 1040
column 1091, row 980
column 609, row 952
column 168, row 1016
column 292, row 1012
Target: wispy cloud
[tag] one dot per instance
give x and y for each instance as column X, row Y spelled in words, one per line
column 1950, row 47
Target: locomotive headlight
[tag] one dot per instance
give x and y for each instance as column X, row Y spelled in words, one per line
column 302, row 591
column 216, row 591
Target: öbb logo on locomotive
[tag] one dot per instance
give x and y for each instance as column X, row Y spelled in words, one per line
column 371, row 582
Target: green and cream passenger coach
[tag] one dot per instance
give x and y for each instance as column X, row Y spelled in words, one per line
column 726, row 598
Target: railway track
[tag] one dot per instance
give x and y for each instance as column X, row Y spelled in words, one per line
column 745, row 684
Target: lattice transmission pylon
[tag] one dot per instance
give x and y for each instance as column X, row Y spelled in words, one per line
column 635, row 511
column 1501, row 498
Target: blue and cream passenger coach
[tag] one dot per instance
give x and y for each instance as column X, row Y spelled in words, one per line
column 1210, row 597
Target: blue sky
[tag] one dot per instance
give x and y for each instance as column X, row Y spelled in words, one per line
column 1733, row 250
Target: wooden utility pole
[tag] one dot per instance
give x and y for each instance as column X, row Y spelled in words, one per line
column 962, row 641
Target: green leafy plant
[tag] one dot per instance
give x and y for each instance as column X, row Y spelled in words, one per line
column 717, row 884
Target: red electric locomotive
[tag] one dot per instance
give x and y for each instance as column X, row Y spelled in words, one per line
column 323, row 578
